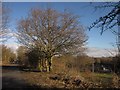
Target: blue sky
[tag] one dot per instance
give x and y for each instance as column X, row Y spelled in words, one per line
column 85, row 10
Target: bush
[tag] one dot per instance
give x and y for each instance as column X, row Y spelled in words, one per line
column 80, row 63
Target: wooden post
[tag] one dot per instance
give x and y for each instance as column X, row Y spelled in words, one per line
column 93, row 67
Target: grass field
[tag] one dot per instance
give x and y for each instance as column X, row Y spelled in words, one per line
column 103, row 79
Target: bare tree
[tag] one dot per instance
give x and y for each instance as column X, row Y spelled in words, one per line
column 21, row 57
column 110, row 20
column 8, row 56
column 52, row 32
column 4, row 18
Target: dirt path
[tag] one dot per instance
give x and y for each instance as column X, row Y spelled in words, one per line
column 12, row 78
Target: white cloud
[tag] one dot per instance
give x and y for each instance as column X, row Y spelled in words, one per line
column 91, row 51
column 100, row 52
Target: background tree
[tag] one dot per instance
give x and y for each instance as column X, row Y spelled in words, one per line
column 80, row 63
column 8, row 56
column 21, row 55
column 52, row 32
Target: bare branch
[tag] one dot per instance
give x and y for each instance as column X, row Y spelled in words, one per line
column 52, row 31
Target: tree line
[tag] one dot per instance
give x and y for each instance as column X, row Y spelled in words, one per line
column 8, row 56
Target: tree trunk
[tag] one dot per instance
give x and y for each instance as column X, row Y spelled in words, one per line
column 40, row 67
column 93, row 67
column 46, row 65
column 49, row 64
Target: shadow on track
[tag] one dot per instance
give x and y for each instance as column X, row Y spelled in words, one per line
column 12, row 78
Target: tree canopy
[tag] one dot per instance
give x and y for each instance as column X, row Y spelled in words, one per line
column 52, row 32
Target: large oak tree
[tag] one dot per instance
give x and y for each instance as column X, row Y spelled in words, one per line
column 52, row 33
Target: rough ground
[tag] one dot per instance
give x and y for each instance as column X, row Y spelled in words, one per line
column 13, row 77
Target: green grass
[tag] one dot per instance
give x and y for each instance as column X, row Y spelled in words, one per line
column 98, row 75
column 104, row 79
column 103, row 75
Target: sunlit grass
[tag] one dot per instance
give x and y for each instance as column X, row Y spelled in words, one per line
column 103, row 75
column 103, row 79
